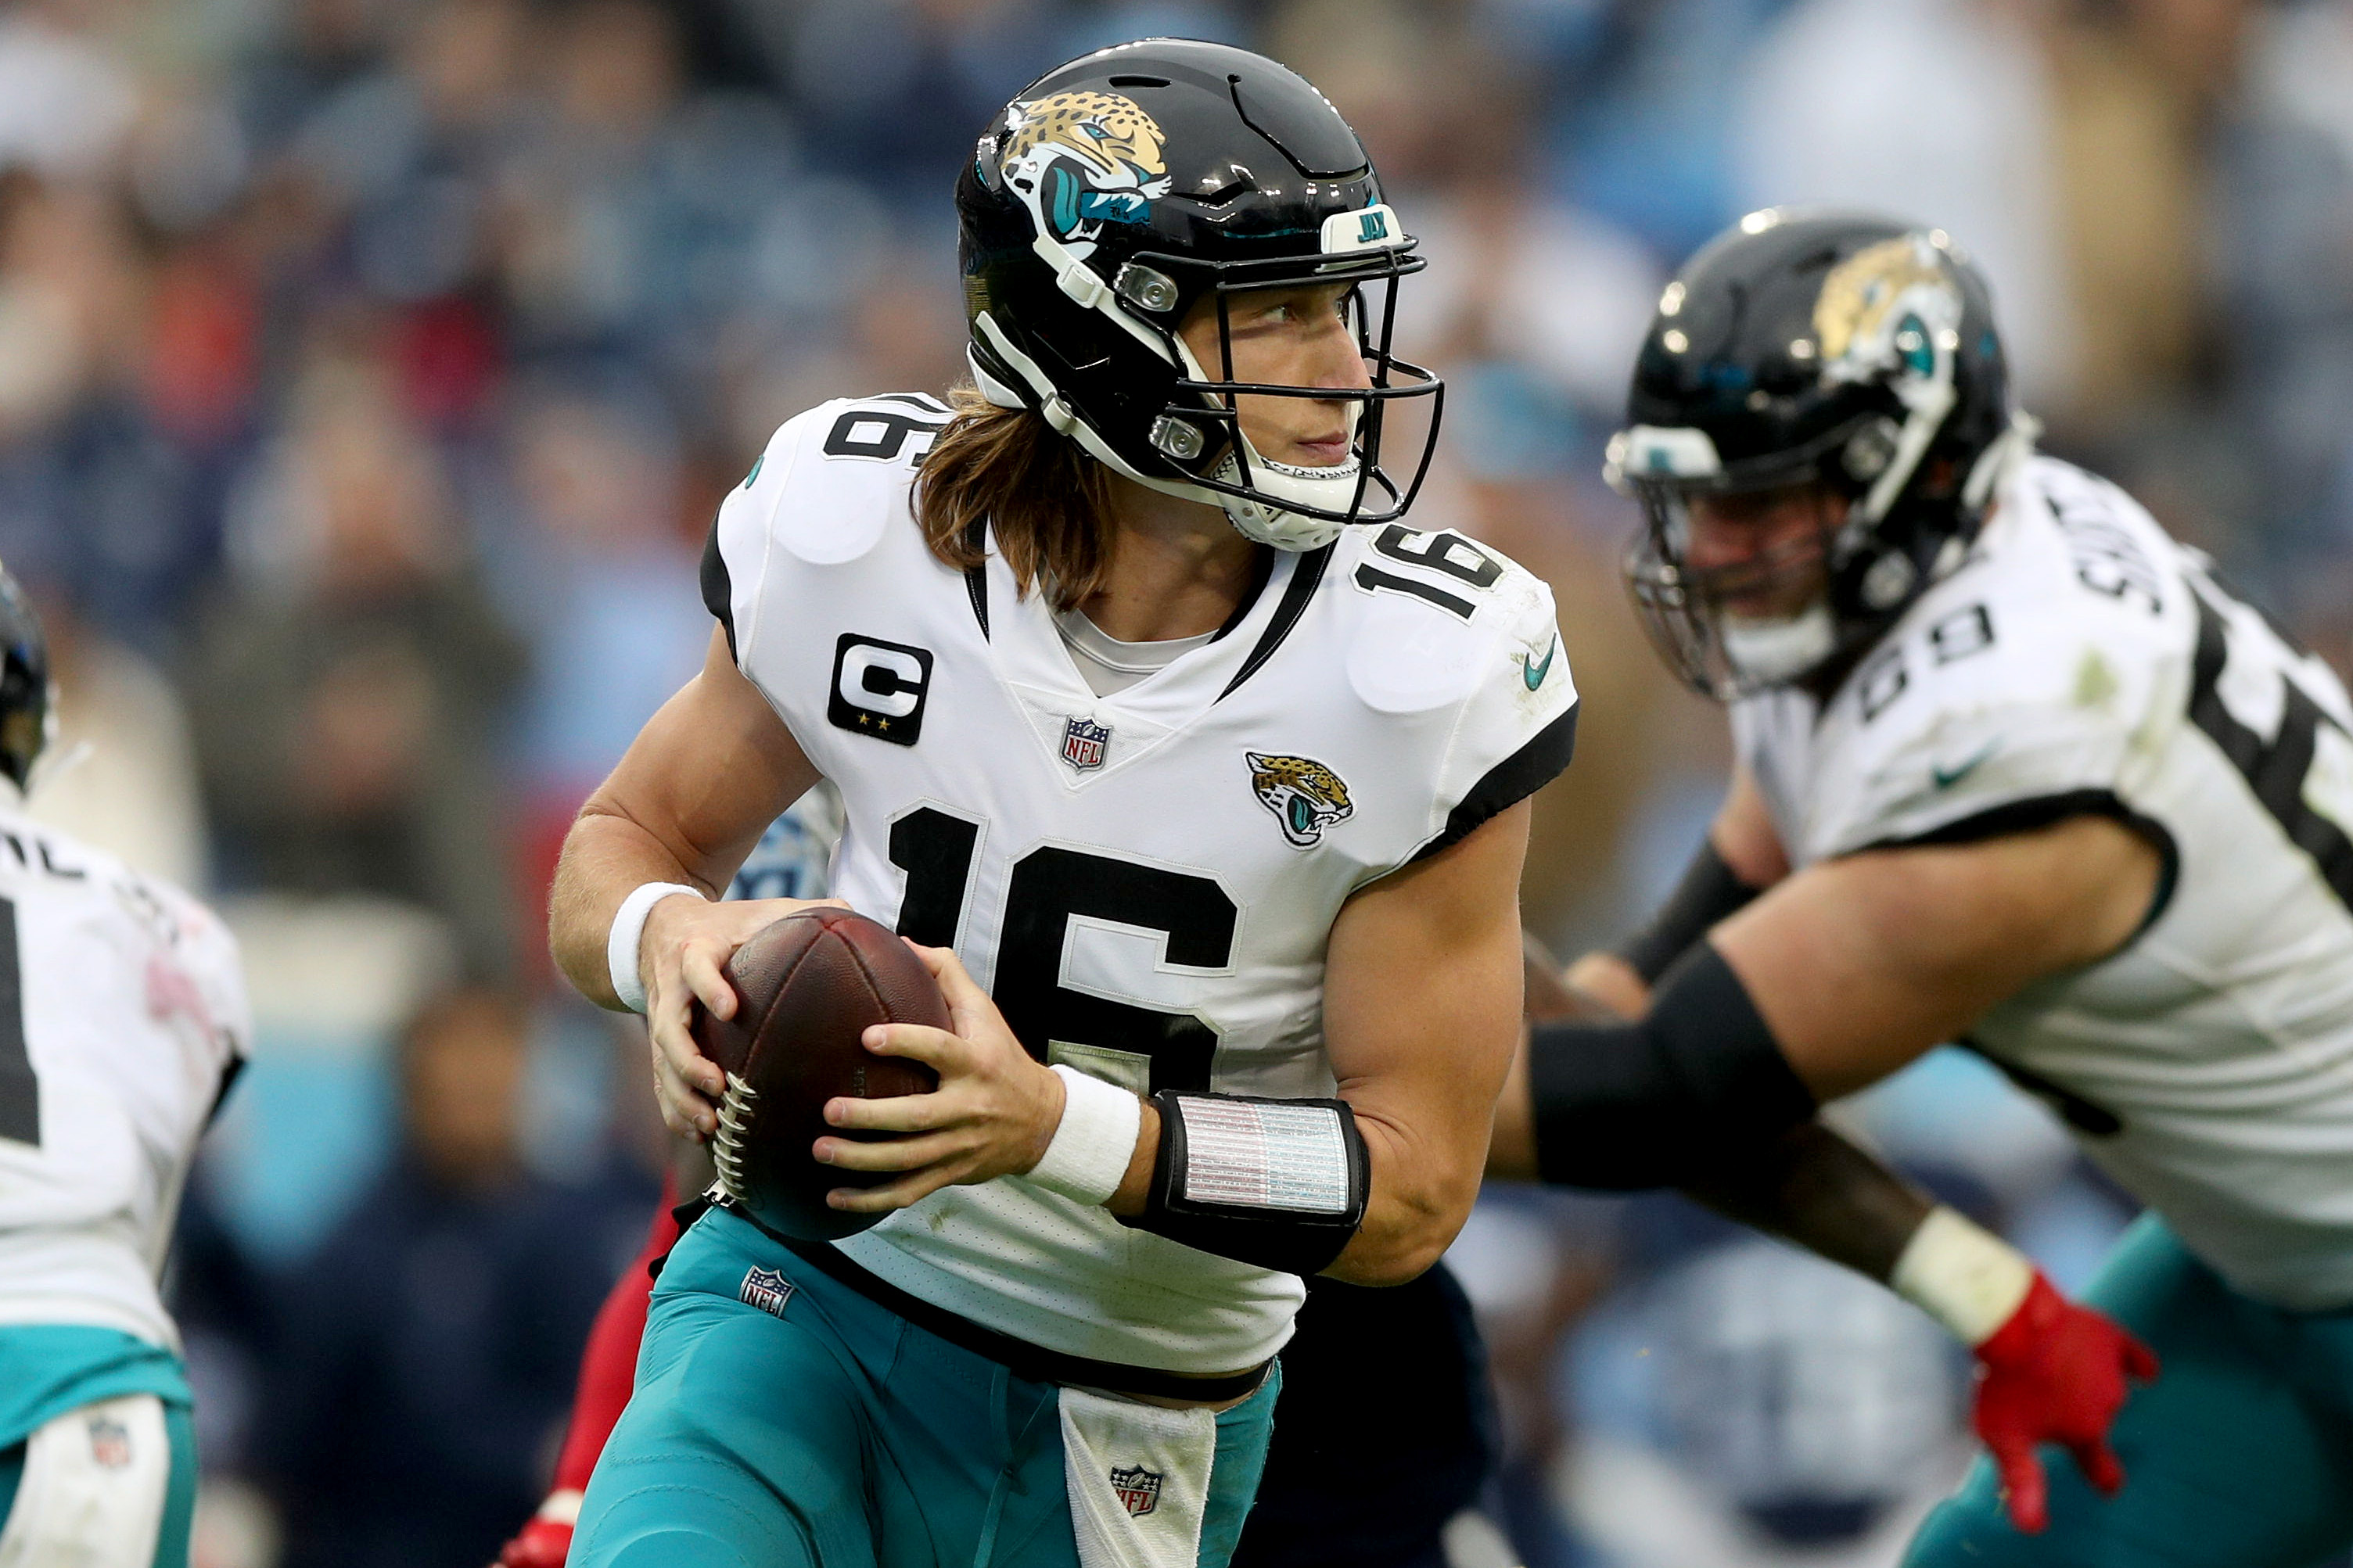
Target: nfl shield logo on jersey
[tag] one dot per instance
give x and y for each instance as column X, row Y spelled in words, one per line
column 1138, row 1488
column 767, row 1289
column 1083, row 741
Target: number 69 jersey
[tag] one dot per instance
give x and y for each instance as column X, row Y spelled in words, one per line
column 1144, row 883
column 122, row 1020
column 2082, row 662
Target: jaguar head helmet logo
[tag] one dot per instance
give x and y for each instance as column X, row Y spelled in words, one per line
column 1084, row 160
column 1305, row 796
column 1107, row 129
column 1893, row 306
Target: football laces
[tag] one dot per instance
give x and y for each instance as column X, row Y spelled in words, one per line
column 727, row 1146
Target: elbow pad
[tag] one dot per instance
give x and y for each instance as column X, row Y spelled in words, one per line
column 1282, row 1183
column 1650, row 1102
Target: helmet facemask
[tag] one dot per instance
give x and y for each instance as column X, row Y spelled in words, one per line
column 1193, row 444
column 1293, row 506
column 1788, row 611
column 1758, row 621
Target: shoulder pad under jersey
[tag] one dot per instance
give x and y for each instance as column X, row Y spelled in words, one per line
column 824, row 491
column 2022, row 688
column 1434, row 620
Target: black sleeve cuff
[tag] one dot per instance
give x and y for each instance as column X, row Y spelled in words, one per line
column 718, row 591
column 1510, row 781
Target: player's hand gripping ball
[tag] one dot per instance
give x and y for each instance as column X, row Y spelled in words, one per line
column 808, row 988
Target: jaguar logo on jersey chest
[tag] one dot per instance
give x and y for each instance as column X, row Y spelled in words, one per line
column 878, row 688
column 1084, row 742
column 1305, row 795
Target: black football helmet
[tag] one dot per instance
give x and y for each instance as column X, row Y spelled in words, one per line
column 1853, row 352
column 1115, row 193
column 26, row 711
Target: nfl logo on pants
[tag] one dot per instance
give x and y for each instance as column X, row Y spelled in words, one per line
column 110, row 1444
column 1138, row 1488
column 1083, row 741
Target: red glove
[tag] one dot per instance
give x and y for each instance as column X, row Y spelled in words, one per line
column 543, row 1543
column 2048, row 1370
column 2054, row 1372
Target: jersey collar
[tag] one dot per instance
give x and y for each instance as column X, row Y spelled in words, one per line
column 1028, row 653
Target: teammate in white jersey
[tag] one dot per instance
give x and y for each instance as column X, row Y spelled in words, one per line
column 123, row 1022
column 2014, row 768
column 1218, row 801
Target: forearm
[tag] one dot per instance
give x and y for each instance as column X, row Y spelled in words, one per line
column 1420, row 1196
column 1737, row 1132
column 1812, row 1187
column 605, row 857
column 708, row 771
column 1136, row 1187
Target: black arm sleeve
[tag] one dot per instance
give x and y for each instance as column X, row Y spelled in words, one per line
column 1653, row 1101
column 1709, row 892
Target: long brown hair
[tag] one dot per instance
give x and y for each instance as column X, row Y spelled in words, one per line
column 1047, row 503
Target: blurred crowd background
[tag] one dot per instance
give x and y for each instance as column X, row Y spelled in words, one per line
column 370, row 370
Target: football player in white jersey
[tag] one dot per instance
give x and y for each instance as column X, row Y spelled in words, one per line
column 2014, row 768
column 123, row 1022
column 1218, row 801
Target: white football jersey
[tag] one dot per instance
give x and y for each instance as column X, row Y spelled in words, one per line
column 122, row 1020
column 2081, row 660
column 1144, row 881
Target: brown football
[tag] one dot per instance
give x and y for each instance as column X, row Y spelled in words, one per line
column 808, row 986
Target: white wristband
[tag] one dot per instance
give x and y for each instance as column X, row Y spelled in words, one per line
column 1962, row 1275
column 1095, row 1141
column 629, row 930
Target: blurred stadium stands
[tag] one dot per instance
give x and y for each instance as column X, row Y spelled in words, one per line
column 370, row 369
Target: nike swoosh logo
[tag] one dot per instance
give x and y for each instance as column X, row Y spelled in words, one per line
column 1534, row 673
column 1947, row 777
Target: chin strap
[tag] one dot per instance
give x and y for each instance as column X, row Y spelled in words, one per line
column 1258, row 521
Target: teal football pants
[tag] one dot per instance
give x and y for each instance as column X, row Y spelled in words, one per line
column 826, row 1431
column 2238, row 1456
